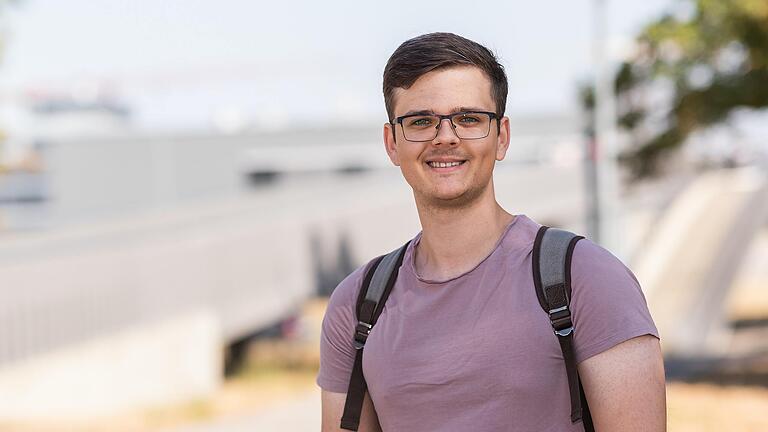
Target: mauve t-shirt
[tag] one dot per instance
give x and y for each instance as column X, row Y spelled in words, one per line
column 477, row 352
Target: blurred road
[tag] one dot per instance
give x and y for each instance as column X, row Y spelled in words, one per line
column 300, row 415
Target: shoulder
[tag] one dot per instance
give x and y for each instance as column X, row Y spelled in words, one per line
column 607, row 302
column 593, row 265
column 344, row 296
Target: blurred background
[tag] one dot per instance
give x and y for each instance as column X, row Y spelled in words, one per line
column 183, row 183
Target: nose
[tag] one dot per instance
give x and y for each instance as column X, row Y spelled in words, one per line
column 445, row 135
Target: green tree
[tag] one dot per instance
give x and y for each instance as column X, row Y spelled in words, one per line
column 708, row 57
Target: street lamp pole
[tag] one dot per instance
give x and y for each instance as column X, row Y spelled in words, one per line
column 608, row 226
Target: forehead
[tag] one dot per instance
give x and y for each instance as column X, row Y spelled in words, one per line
column 445, row 89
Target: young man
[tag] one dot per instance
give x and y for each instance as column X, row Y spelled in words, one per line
column 462, row 343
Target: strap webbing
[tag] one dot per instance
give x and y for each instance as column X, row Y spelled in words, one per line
column 376, row 287
column 353, row 406
column 574, row 384
column 552, row 254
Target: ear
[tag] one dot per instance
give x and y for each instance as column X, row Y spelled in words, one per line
column 502, row 143
column 390, row 144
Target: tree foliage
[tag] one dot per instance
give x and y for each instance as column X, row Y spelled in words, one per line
column 706, row 58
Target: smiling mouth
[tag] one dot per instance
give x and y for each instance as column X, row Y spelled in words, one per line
column 435, row 164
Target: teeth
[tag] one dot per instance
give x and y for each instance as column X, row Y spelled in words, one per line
column 444, row 164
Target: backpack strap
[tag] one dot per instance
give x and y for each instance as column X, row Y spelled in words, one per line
column 552, row 254
column 377, row 285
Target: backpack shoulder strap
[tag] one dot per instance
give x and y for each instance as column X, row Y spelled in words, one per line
column 552, row 254
column 374, row 291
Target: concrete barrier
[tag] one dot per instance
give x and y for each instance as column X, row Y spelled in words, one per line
column 148, row 363
column 689, row 264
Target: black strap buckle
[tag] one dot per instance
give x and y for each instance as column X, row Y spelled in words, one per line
column 560, row 318
column 362, row 331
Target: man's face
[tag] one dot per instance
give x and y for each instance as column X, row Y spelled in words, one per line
column 446, row 91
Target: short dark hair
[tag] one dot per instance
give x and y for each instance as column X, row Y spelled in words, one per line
column 426, row 53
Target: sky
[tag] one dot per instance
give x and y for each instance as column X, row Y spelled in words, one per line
column 190, row 64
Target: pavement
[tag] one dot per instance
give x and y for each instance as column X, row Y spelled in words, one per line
column 296, row 415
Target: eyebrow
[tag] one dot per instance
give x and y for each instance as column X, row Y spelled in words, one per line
column 467, row 108
column 431, row 112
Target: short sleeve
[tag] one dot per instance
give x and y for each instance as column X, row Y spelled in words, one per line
column 607, row 302
column 337, row 352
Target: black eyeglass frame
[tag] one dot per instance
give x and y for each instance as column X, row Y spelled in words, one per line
column 441, row 117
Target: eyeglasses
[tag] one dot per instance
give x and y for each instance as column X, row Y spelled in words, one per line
column 466, row 125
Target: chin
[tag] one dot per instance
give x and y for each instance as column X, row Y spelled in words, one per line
column 449, row 196
column 447, row 193
column 452, row 199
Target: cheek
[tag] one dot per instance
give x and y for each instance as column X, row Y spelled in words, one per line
column 409, row 156
column 485, row 162
column 409, row 163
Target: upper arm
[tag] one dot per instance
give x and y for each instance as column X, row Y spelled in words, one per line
column 337, row 356
column 626, row 379
column 333, row 408
column 337, row 350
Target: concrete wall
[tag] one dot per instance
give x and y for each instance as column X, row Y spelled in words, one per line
column 148, row 363
column 688, row 266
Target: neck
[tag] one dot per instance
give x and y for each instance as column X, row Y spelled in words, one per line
column 455, row 240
